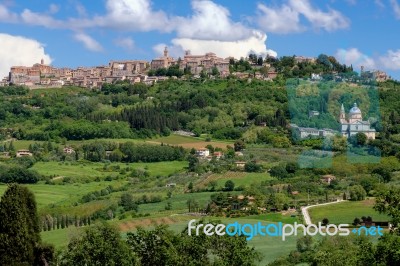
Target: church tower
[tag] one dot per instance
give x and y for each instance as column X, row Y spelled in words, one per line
column 342, row 117
column 166, row 51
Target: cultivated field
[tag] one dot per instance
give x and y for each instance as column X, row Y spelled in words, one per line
column 345, row 212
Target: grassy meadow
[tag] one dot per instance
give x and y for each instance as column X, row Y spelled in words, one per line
column 345, row 212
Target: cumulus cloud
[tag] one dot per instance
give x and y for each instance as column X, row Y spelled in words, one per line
column 396, row 8
column 131, row 15
column 240, row 48
column 125, row 43
column 279, row 20
column 391, row 60
column 356, row 58
column 211, row 29
column 210, row 21
column 20, row 51
column 285, row 19
column 90, row 43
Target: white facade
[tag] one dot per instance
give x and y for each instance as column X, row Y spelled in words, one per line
column 354, row 124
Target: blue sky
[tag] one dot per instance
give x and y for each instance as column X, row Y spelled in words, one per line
column 75, row 33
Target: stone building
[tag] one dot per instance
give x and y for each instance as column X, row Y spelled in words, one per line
column 354, row 124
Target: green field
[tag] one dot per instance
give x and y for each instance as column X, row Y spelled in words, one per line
column 61, row 194
column 345, row 212
column 246, row 180
column 91, row 170
column 190, row 142
column 239, row 178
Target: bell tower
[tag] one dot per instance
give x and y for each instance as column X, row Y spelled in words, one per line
column 166, row 51
column 342, row 117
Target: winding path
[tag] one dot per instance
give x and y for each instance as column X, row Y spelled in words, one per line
column 306, row 215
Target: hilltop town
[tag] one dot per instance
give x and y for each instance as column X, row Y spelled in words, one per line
column 42, row 75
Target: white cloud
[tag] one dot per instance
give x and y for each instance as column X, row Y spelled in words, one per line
column 353, row 56
column 20, row 51
column 280, row 20
column 38, row 19
column 90, row 43
column 285, row 19
column 125, row 43
column 396, row 8
column 240, row 48
column 210, row 21
column 391, row 60
column 330, row 21
column 6, row 15
column 135, row 15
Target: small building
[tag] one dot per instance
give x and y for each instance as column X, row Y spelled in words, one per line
column 313, row 113
column 328, row 178
column 203, row 152
column 24, row 153
column 68, row 150
column 240, row 164
column 218, row 154
column 239, row 153
column 170, row 185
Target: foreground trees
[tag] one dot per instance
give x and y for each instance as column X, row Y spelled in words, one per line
column 98, row 245
column 162, row 246
column 102, row 245
column 20, row 242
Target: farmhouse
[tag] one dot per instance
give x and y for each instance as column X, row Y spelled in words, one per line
column 203, row 152
column 24, row 153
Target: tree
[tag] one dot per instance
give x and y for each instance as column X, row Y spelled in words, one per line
column 213, row 184
column 190, row 186
column 361, row 138
column 127, row 202
column 252, row 167
column 215, row 71
column 383, row 172
column 193, row 163
column 20, row 242
column 356, row 221
column 291, row 167
column 387, row 250
column 357, row 192
column 99, row 244
column 278, row 171
column 239, row 145
column 229, row 185
column 388, row 201
column 325, row 221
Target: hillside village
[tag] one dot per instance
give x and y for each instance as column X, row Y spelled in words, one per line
column 42, row 75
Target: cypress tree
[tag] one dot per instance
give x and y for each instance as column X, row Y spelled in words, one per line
column 19, row 226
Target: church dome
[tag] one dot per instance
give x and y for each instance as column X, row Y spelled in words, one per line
column 355, row 110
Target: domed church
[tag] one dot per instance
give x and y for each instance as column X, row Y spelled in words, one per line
column 355, row 124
